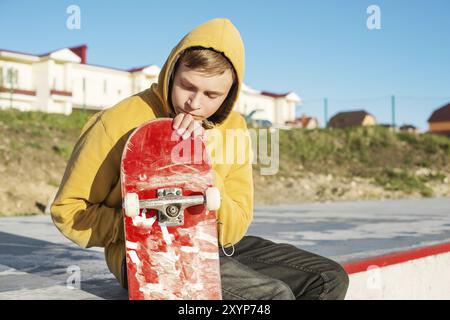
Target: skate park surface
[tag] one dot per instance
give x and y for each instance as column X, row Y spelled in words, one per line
column 391, row 249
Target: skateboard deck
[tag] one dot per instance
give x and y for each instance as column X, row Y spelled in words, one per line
column 169, row 206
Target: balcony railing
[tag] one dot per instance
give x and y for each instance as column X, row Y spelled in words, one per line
column 18, row 91
column 61, row 93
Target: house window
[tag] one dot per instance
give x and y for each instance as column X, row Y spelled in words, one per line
column 1, row 76
column 119, row 92
column 105, row 87
column 12, row 76
column 84, row 84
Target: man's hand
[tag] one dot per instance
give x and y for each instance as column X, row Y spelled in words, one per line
column 187, row 126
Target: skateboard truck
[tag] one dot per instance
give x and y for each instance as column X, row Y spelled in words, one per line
column 170, row 204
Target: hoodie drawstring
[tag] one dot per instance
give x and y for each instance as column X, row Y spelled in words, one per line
column 221, row 242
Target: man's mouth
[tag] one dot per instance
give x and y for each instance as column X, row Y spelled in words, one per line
column 193, row 115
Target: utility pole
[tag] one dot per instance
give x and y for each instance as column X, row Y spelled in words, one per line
column 393, row 111
column 325, row 111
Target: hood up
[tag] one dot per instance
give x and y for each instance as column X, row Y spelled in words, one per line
column 218, row 34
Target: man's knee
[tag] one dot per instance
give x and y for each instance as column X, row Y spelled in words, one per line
column 336, row 283
column 243, row 283
column 267, row 290
column 274, row 289
column 282, row 291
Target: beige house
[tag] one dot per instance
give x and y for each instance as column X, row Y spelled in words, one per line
column 352, row 119
column 409, row 128
column 439, row 122
column 62, row 80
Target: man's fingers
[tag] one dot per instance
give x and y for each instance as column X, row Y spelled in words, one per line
column 190, row 129
column 198, row 131
column 186, row 121
column 186, row 126
column 177, row 121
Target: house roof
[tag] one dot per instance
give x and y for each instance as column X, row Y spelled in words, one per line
column 138, row 69
column 292, row 96
column 274, row 95
column 407, row 126
column 441, row 114
column 79, row 54
column 80, row 51
column 348, row 119
column 17, row 52
column 18, row 55
column 75, row 54
column 304, row 121
column 149, row 69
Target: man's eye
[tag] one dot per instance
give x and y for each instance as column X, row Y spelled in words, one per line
column 187, row 87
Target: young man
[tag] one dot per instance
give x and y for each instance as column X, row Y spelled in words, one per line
column 198, row 87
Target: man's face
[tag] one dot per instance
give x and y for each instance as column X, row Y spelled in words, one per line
column 198, row 94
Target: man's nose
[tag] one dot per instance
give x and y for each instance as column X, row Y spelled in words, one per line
column 195, row 101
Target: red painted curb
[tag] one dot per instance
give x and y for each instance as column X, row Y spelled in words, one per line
column 395, row 258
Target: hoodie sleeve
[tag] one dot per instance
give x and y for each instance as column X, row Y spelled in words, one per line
column 79, row 211
column 236, row 189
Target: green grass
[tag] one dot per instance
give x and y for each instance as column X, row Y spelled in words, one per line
column 53, row 183
column 400, row 180
column 63, row 149
column 369, row 152
column 39, row 122
column 372, row 147
column 43, row 131
column 22, row 214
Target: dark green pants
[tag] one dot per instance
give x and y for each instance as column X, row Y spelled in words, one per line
column 262, row 269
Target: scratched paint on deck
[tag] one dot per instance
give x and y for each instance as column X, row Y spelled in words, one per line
column 169, row 262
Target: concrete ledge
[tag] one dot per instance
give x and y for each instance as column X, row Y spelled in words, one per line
column 421, row 273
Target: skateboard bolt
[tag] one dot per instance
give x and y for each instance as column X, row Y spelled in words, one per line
column 172, row 211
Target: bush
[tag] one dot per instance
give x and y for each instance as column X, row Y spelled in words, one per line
column 400, row 180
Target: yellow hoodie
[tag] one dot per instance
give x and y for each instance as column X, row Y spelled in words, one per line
column 87, row 207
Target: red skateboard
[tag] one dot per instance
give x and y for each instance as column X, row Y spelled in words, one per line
column 170, row 221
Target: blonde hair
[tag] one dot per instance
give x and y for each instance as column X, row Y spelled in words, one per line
column 211, row 63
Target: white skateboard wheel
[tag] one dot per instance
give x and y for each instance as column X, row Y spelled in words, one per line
column 212, row 196
column 131, row 205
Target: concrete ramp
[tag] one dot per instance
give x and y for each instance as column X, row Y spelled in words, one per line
column 422, row 273
column 393, row 249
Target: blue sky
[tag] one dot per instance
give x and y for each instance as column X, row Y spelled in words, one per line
column 316, row 48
